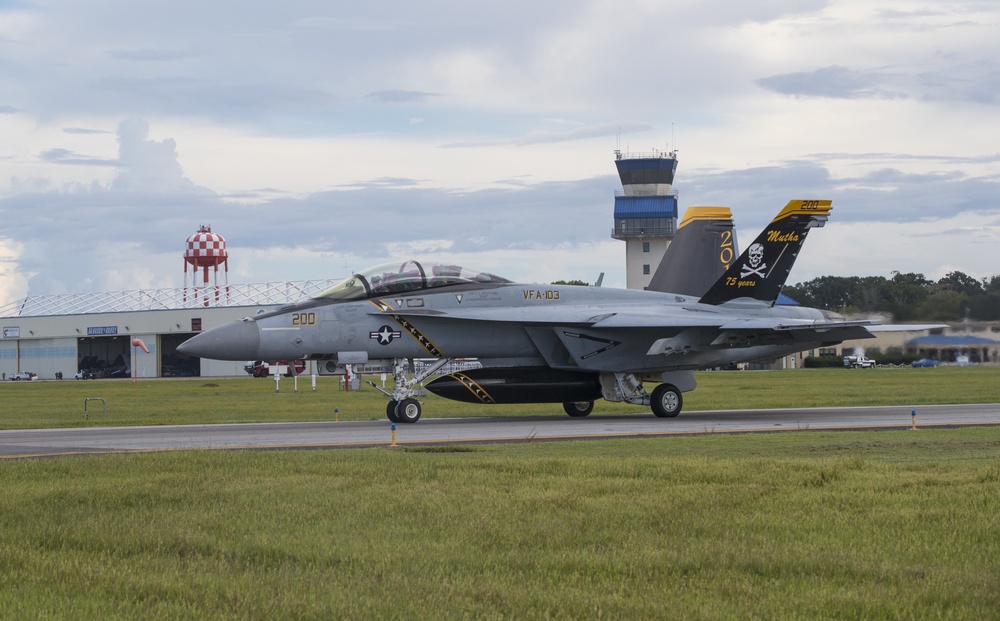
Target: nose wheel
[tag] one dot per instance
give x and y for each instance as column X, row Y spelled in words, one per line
column 390, row 411
column 408, row 411
column 403, row 406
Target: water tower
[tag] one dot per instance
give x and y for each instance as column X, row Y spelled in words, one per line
column 206, row 250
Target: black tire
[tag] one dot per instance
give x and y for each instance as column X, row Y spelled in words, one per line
column 408, row 411
column 666, row 401
column 390, row 411
column 578, row 409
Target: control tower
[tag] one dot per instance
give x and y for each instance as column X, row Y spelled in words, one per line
column 645, row 211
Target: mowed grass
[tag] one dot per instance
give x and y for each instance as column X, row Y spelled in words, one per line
column 215, row 400
column 819, row 525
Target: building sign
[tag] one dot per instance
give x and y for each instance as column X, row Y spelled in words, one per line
column 102, row 331
column 12, row 332
column 196, row 324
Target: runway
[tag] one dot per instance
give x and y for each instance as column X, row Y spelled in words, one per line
column 53, row 442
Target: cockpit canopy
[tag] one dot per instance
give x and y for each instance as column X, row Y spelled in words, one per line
column 390, row 278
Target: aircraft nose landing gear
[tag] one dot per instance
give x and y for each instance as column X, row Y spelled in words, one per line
column 403, row 406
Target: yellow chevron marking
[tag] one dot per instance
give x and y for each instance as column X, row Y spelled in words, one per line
column 695, row 214
column 804, row 207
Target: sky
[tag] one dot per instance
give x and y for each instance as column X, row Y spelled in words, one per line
column 323, row 137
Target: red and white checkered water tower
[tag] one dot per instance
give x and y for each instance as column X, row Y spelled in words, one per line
column 206, row 250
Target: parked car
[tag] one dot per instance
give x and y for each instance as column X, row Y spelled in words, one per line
column 22, row 375
column 924, row 362
column 262, row 368
column 85, row 374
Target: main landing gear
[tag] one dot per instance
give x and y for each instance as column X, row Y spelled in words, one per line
column 578, row 409
column 666, row 400
column 403, row 406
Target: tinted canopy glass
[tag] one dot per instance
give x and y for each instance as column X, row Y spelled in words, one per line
column 390, row 278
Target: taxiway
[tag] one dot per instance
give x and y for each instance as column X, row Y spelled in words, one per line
column 53, row 442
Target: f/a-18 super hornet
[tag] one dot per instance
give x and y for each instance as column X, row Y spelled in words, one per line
column 551, row 343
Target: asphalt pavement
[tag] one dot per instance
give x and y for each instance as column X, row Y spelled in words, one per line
column 429, row 431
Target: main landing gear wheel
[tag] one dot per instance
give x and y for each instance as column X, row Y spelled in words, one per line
column 666, row 401
column 408, row 411
column 578, row 409
column 390, row 411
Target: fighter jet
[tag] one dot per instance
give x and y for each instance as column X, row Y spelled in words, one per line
column 547, row 343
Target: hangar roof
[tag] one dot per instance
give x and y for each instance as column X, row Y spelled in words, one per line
column 260, row 294
column 939, row 340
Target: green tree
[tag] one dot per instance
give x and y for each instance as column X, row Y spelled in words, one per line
column 906, row 293
column 985, row 307
column 944, row 305
column 828, row 292
column 962, row 283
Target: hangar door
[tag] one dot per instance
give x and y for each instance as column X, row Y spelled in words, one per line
column 174, row 364
column 104, row 356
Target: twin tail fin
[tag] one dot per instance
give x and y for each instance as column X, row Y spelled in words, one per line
column 703, row 248
column 760, row 272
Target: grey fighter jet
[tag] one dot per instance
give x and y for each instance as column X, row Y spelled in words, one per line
column 546, row 343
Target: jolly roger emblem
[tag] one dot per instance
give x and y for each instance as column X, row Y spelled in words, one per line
column 755, row 264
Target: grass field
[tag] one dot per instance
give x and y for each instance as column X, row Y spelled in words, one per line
column 849, row 525
column 213, row 400
column 816, row 525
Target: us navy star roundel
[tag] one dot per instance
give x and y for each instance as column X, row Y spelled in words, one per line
column 385, row 334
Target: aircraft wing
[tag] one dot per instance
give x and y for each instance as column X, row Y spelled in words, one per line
column 748, row 332
column 784, row 323
column 907, row 327
column 598, row 317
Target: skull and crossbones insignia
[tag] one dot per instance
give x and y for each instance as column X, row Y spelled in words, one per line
column 756, row 264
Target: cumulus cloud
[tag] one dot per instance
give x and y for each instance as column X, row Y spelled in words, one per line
column 145, row 164
column 313, row 136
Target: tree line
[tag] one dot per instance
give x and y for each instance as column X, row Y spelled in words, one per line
column 906, row 296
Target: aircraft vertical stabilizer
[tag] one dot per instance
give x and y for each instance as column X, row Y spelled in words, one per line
column 762, row 269
column 703, row 248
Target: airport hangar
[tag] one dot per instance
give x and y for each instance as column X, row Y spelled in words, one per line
column 54, row 334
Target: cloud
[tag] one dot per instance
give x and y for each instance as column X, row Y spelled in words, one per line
column 401, row 96
column 312, row 135
column 64, row 156
column 833, row 81
column 147, row 165
column 549, row 137
column 154, row 55
column 84, row 131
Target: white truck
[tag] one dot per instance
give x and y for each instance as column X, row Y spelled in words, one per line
column 858, row 362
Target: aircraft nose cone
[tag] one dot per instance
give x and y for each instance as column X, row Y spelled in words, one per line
column 237, row 340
